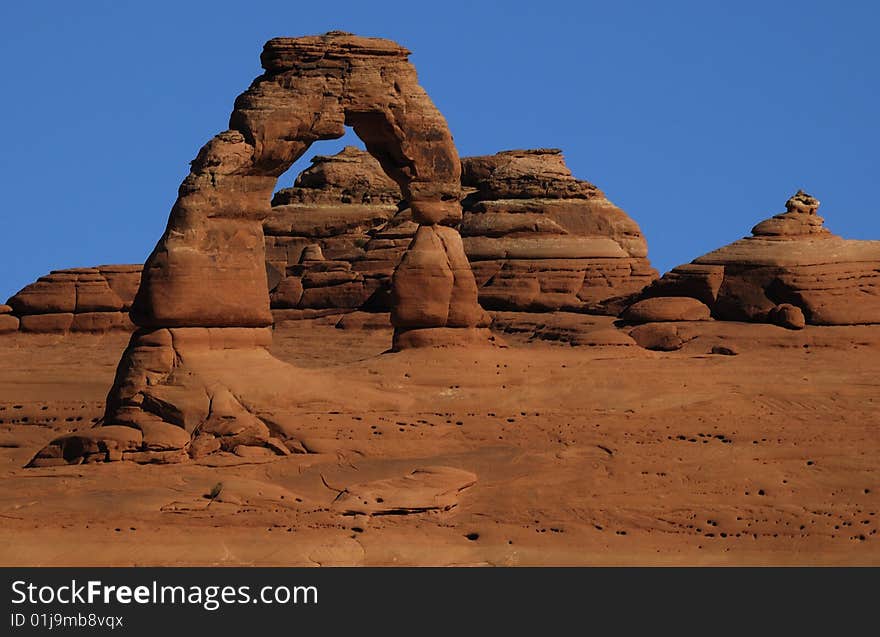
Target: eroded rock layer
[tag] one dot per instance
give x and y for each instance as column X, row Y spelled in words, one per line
column 78, row 300
column 540, row 240
column 792, row 271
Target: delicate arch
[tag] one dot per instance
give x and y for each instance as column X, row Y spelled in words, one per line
column 197, row 377
column 208, row 268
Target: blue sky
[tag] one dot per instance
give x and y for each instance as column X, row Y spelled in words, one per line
column 697, row 118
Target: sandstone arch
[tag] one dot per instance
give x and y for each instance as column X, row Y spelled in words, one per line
column 197, row 377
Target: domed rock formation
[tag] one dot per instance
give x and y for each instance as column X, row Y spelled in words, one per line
column 79, row 300
column 200, row 360
column 540, row 240
column 792, row 260
column 352, row 177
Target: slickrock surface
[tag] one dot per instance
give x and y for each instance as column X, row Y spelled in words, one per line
column 540, row 240
column 423, row 490
column 202, row 307
column 76, row 300
column 574, row 455
column 790, row 264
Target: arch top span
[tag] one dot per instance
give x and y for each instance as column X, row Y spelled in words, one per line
column 314, row 86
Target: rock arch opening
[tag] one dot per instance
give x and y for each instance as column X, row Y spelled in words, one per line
column 323, row 148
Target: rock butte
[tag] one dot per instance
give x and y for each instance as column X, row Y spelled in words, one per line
column 202, row 307
column 76, row 300
column 791, row 264
column 541, row 240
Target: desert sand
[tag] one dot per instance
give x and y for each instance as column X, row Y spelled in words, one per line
column 537, row 453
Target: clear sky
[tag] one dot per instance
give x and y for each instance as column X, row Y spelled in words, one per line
column 698, row 118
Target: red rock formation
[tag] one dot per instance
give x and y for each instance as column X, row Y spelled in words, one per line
column 8, row 322
column 540, row 240
column 433, row 292
column 200, row 360
column 79, row 300
column 791, row 271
